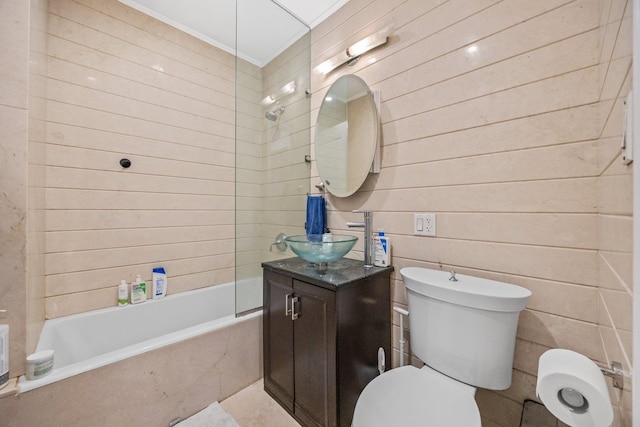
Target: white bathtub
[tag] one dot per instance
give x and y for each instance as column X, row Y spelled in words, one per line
column 87, row 341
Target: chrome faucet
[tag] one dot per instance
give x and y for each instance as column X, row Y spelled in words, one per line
column 280, row 243
column 368, row 220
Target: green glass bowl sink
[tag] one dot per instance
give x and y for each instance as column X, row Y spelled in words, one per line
column 314, row 250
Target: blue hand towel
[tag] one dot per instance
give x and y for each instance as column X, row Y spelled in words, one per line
column 316, row 218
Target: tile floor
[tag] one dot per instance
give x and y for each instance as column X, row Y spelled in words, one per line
column 253, row 407
column 536, row 415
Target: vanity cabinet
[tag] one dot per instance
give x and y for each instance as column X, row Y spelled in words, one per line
column 321, row 336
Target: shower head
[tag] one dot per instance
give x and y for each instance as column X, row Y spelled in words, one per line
column 273, row 114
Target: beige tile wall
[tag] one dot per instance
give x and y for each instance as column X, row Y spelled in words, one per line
column 503, row 118
column 14, row 85
column 36, row 173
column 122, row 85
column 614, row 303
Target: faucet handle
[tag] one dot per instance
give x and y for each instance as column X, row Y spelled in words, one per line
column 362, row 211
column 280, row 243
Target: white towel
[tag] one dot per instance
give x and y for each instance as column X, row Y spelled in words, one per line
column 211, row 416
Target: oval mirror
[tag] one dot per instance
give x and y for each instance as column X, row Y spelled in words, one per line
column 346, row 135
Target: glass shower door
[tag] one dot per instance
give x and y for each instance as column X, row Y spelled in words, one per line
column 272, row 139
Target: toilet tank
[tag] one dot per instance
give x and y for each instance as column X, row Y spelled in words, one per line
column 465, row 329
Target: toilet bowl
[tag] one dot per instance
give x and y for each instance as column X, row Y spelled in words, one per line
column 464, row 329
column 413, row 397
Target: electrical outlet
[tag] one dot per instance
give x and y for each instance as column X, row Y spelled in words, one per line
column 424, row 224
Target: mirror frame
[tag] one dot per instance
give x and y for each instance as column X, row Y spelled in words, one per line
column 342, row 159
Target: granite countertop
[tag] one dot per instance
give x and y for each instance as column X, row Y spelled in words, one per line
column 339, row 273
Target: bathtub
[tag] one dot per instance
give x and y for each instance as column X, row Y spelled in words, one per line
column 178, row 354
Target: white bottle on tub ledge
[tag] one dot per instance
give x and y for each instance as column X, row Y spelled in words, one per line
column 138, row 291
column 159, row 283
column 123, row 293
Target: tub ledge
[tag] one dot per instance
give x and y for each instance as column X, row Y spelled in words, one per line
column 11, row 389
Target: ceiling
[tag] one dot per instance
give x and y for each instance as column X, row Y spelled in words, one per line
column 265, row 27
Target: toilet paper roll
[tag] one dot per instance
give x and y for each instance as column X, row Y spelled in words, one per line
column 573, row 389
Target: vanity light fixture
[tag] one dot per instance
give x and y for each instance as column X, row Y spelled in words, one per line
column 285, row 90
column 351, row 54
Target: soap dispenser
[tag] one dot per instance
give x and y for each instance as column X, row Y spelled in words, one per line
column 381, row 250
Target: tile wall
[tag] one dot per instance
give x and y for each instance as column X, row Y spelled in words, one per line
column 123, row 85
column 504, row 119
column 36, row 228
column 14, row 85
column 615, row 243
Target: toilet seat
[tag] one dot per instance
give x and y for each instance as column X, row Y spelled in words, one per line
column 412, row 397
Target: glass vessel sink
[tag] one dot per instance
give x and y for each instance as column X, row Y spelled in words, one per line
column 314, row 250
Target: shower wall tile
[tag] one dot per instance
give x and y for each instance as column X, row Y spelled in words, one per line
column 504, row 119
column 13, row 229
column 36, row 175
column 121, row 85
column 15, row 73
column 14, row 85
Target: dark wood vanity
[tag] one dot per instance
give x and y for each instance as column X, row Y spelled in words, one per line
column 321, row 337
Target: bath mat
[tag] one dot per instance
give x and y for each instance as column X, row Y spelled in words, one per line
column 211, row 416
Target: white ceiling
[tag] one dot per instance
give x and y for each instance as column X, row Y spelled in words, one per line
column 265, row 29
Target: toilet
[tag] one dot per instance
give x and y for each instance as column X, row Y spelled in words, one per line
column 464, row 329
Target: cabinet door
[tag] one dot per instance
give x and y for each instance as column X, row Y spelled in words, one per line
column 278, row 338
column 315, row 355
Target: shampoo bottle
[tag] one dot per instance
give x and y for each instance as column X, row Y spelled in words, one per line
column 381, row 250
column 123, row 293
column 159, row 283
column 4, row 354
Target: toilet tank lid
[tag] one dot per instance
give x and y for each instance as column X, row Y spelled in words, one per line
column 467, row 291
